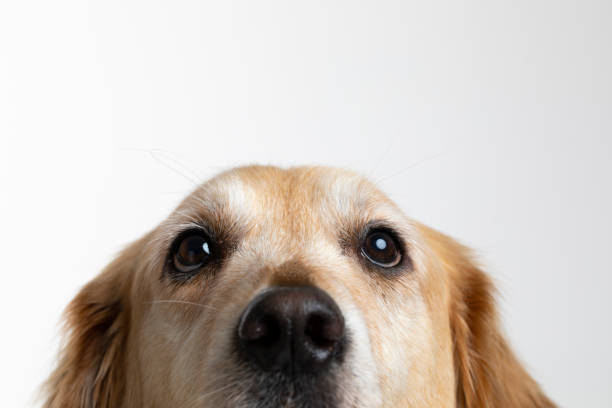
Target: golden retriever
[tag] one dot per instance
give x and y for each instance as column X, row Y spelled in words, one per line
column 302, row 287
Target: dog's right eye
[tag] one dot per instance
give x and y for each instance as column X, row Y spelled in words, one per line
column 191, row 251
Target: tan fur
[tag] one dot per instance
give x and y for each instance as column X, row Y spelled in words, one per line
column 427, row 338
column 91, row 371
column 488, row 372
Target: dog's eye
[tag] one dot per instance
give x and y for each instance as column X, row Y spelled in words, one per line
column 191, row 251
column 381, row 248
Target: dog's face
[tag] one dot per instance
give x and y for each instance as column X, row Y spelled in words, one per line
column 291, row 288
column 297, row 288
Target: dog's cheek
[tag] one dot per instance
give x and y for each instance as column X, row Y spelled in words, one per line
column 176, row 354
column 414, row 368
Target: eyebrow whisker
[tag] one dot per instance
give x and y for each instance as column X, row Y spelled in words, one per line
column 409, row 167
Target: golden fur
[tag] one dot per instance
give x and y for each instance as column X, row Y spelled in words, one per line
column 427, row 338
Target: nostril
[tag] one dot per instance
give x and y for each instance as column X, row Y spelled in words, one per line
column 265, row 330
column 324, row 331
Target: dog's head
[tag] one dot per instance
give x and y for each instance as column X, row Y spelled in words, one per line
column 304, row 287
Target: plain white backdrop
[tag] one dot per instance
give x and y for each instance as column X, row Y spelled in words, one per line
column 488, row 120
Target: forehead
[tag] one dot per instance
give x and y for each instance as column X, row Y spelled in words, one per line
column 256, row 195
column 284, row 204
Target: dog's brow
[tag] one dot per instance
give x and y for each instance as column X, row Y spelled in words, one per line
column 271, row 200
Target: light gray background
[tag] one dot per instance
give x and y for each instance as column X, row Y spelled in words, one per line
column 489, row 120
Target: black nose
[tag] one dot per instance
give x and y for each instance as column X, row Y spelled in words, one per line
column 292, row 329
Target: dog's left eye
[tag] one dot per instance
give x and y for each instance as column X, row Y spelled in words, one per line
column 381, row 248
column 191, row 251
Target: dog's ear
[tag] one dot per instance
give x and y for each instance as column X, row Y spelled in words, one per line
column 91, row 368
column 488, row 374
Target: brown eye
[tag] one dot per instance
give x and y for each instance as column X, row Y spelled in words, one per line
column 191, row 252
column 382, row 249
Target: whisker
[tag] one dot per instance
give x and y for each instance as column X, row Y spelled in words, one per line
column 183, row 302
column 371, row 173
column 413, row 165
column 169, row 160
column 223, row 388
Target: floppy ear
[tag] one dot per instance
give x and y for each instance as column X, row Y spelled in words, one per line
column 91, row 372
column 488, row 374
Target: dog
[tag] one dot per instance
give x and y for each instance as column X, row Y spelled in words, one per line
column 302, row 287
